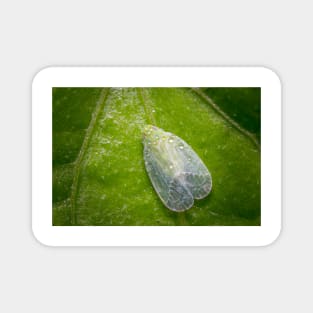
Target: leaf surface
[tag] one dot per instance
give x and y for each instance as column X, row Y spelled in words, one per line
column 99, row 175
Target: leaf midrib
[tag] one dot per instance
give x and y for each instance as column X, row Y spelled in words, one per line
column 146, row 106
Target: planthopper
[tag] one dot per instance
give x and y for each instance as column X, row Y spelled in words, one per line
column 176, row 172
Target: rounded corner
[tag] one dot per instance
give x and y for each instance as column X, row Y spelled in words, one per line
column 274, row 238
column 40, row 73
column 272, row 73
column 38, row 238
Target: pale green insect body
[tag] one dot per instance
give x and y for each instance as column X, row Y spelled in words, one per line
column 176, row 172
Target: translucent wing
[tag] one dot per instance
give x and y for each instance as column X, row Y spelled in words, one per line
column 177, row 173
column 171, row 189
column 179, row 197
column 197, row 178
column 199, row 185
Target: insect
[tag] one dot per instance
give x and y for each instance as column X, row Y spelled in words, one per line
column 176, row 172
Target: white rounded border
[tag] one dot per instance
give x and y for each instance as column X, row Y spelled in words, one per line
column 154, row 235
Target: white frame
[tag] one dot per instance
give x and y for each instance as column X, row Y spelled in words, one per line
column 156, row 235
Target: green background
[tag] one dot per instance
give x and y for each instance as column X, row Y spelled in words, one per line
column 99, row 176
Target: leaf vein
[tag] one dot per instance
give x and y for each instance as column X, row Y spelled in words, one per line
column 146, row 105
column 78, row 162
column 246, row 133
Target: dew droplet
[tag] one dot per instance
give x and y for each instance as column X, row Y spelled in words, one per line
column 181, row 147
column 171, row 140
column 153, row 111
column 171, row 166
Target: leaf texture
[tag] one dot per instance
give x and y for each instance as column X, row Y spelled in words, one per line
column 99, row 175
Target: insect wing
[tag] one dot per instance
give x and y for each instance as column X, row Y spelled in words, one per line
column 171, row 190
column 197, row 178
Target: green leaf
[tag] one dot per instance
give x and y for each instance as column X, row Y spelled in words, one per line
column 99, row 176
column 242, row 104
